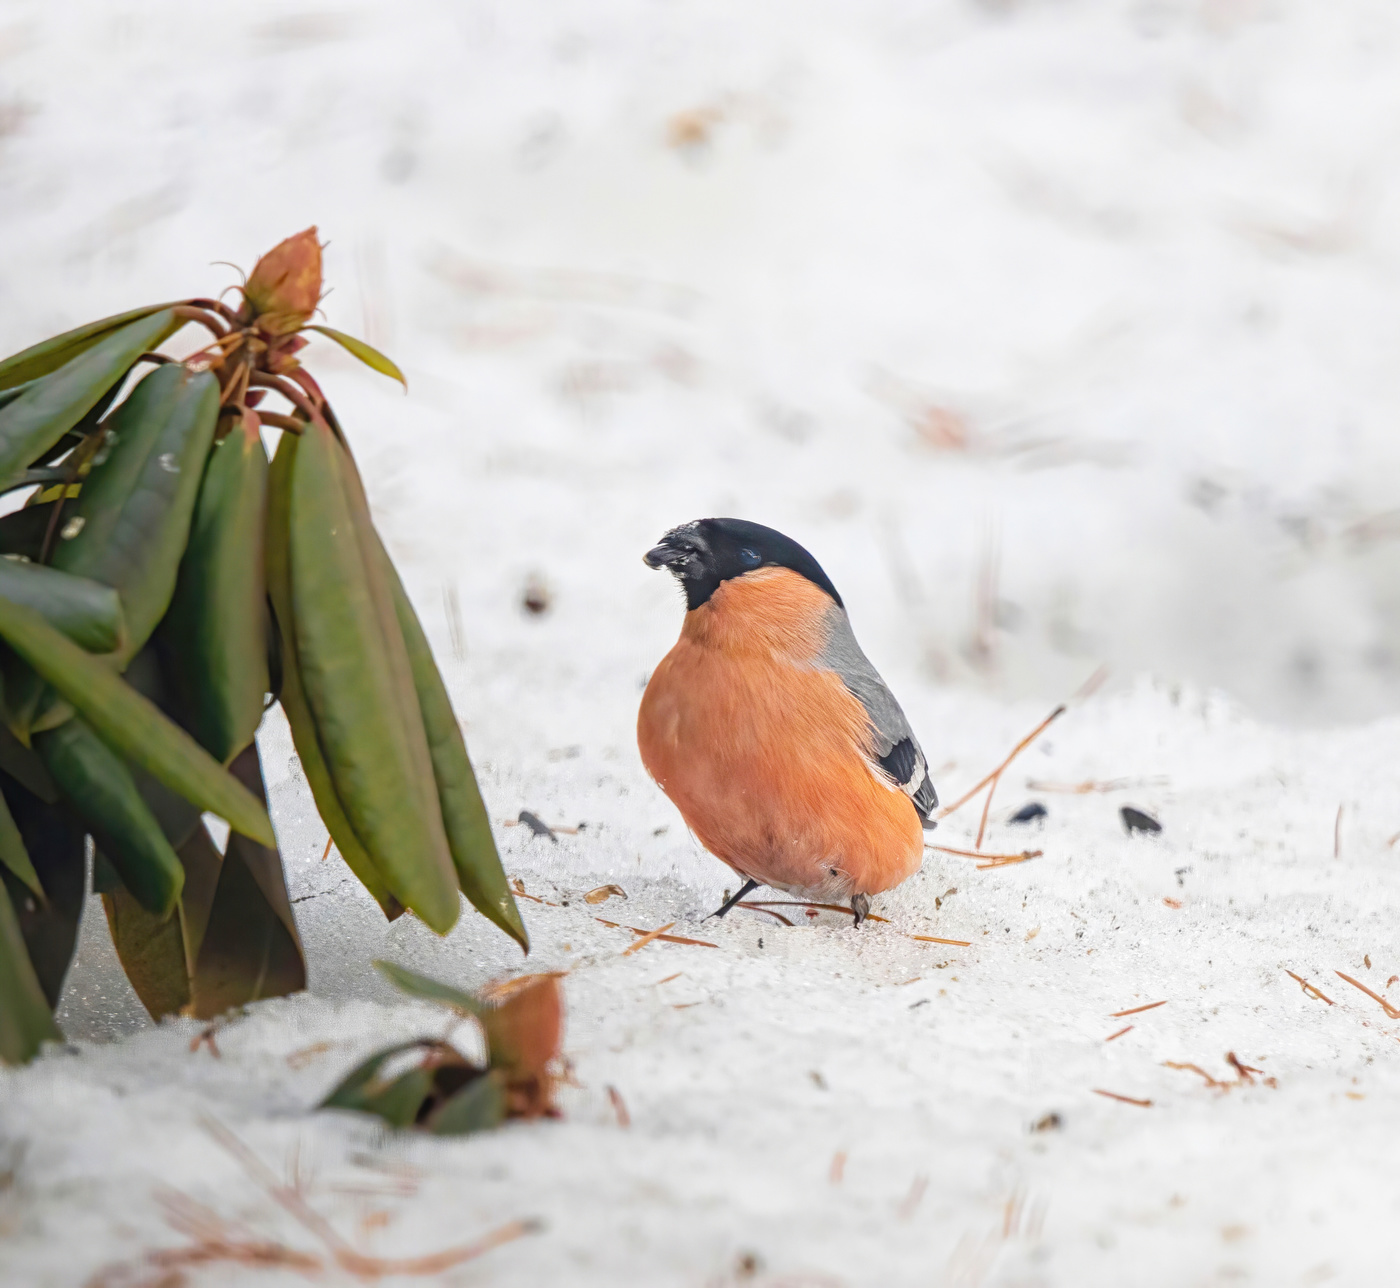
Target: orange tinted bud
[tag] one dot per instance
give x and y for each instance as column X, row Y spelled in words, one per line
column 285, row 286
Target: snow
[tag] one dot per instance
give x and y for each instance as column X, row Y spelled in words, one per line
column 1063, row 334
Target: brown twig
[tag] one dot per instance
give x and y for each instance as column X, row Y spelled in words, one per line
column 1390, row 1011
column 1127, row 1100
column 1134, row 1010
column 1310, row 989
column 932, row 939
column 1119, row 1034
column 326, row 853
column 1001, row 769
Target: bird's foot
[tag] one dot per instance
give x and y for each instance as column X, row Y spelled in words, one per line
column 729, row 903
column 860, row 907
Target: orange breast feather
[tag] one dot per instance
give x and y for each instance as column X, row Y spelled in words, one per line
column 765, row 755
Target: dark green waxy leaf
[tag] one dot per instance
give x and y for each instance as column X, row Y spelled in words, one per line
column 26, row 1021
column 479, row 1106
column 464, row 815
column 397, row 1101
column 88, row 612
column 250, row 947
column 429, row 990
column 99, row 787
column 291, row 693
column 355, row 672
column 49, row 355
column 130, row 724
column 132, row 520
column 366, row 353
column 217, row 627
column 13, row 854
column 24, row 766
column 34, row 422
column 56, row 843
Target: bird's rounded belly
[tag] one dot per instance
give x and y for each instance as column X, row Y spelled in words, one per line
column 764, row 761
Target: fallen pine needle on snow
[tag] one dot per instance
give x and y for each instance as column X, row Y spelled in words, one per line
column 758, row 907
column 292, row 1201
column 624, row 1119
column 1311, row 989
column 992, row 860
column 668, row 979
column 1135, row 1010
column 1008, row 860
column 1093, row 785
column 913, row 1198
column 1390, row 1011
column 1119, row 1034
column 649, row 935
column 933, row 939
column 326, row 853
column 803, row 903
column 1127, row 1100
column 1245, row 1071
column 1195, row 1068
column 1001, row 768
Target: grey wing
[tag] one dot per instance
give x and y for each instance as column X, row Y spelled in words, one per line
column 897, row 751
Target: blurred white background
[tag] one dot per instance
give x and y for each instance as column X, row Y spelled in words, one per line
column 1062, row 331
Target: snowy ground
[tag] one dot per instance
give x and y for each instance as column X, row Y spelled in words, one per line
column 1063, row 333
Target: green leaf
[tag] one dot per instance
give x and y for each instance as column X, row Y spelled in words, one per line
column 86, row 611
column 397, row 1102
column 464, row 816
column 429, row 990
column 366, row 353
column 133, row 517
column 131, row 725
column 250, row 946
column 99, row 787
column 57, row 844
column 479, row 1106
column 25, row 1019
column 48, row 355
column 46, row 411
column 13, row 854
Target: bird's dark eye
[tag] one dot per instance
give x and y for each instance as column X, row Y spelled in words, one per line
column 750, row 558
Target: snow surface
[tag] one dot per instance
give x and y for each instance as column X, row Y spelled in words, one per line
column 1062, row 333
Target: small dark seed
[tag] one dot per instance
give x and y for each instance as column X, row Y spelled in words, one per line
column 1051, row 1122
column 1029, row 813
column 1136, row 821
column 537, row 825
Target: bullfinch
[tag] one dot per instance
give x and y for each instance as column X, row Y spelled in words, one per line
column 770, row 730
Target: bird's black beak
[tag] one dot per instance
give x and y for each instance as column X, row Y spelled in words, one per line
column 663, row 556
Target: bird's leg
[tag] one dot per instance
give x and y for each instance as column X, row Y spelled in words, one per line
column 860, row 907
column 729, row 903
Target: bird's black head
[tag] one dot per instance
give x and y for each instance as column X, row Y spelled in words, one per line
column 710, row 551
